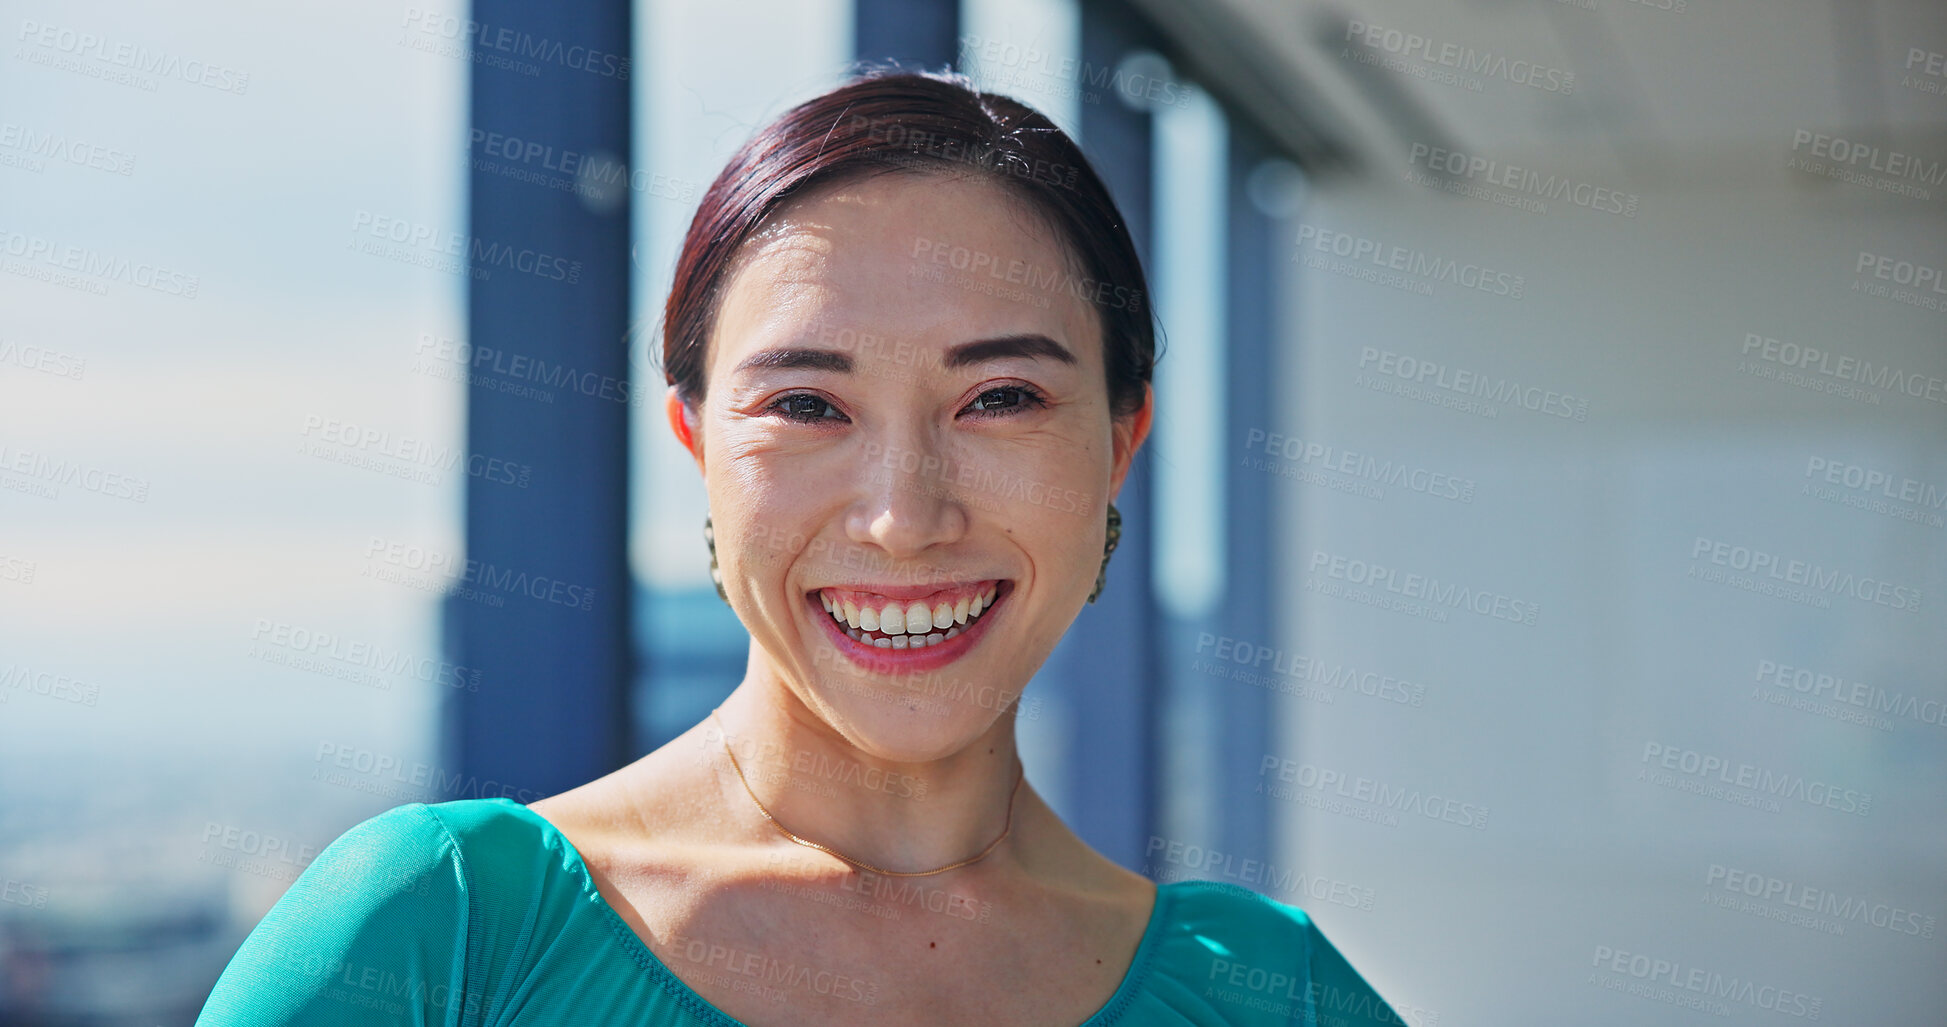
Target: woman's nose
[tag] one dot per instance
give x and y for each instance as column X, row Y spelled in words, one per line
column 908, row 501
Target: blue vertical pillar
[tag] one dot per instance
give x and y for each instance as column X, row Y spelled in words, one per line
column 1250, row 606
column 922, row 32
column 543, row 611
column 1106, row 666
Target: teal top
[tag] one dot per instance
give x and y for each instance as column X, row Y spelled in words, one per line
column 479, row 912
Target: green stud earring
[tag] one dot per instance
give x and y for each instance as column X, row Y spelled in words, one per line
column 1101, row 576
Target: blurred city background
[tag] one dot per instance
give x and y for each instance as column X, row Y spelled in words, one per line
column 1535, row 573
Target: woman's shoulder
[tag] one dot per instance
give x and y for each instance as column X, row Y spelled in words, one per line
column 1254, row 959
column 1220, row 926
column 458, row 847
column 406, row 856
column 1236, row 911
column 417, row 901
column 498, row 863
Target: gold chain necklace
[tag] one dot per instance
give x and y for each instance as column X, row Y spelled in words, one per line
column 861, row 864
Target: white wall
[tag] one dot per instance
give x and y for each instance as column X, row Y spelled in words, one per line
column 1595, row 521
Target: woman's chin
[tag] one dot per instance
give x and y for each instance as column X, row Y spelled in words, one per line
column 909, row 728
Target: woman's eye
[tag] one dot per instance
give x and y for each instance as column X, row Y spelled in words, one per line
column 808, row 408
column 802, row 406
column 1005, row 398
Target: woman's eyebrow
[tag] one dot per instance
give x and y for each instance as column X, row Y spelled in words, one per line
column 961, row 355
column 796, row 356
column 1029, row 345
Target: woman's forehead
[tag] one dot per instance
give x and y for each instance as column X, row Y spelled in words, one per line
column 925, row 257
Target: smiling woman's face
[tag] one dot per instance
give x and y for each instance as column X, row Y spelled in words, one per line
column 907, row 414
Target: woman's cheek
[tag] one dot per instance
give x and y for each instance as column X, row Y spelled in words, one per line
column 1049, row 482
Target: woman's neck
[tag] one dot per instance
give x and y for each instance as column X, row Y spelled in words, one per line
column 878, row 790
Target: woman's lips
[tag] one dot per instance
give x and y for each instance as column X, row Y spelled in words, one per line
column 935, row 654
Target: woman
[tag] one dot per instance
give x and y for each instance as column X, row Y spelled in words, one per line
column 909, row 348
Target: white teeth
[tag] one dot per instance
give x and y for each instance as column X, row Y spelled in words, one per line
column 907, row 625
column 904, row 641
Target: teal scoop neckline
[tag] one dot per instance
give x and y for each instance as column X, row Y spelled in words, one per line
column 647, row 958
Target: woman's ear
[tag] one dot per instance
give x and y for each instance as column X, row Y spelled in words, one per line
column 682, row 421
column 1127, row 434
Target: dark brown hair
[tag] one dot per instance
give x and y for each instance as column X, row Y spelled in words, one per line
column 910, row 121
